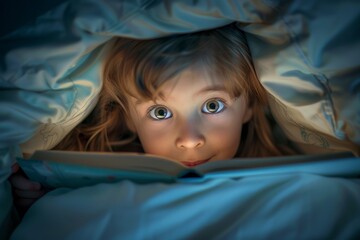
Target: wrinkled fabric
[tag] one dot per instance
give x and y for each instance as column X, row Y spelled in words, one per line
column 308, row 61
column 296, row 206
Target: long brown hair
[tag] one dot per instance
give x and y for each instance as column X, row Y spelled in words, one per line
column 140, row 67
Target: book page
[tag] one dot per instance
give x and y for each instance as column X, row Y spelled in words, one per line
column 112, row 160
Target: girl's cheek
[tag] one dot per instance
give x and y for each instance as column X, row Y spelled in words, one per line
column 227, row 126
column 219, row 122
column 154, row 134
column 158, row 144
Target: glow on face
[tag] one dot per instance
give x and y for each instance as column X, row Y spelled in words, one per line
column 194, row 121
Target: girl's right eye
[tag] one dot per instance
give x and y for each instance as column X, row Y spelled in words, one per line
column 160, row 113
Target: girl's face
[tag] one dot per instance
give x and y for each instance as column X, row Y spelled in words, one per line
column 195, row 120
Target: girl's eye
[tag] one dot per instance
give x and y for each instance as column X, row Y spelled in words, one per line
column 160, row 113
column 213, row 106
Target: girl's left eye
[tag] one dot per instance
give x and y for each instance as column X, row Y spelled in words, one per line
column 213, row 106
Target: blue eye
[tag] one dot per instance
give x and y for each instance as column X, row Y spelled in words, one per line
column 213, row 106
column 160, row 113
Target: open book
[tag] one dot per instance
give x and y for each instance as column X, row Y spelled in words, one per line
column 75, row 169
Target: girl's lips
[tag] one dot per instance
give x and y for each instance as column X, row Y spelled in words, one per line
column 195, row 163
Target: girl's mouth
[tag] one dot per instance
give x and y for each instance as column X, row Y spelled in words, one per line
column 194, row 163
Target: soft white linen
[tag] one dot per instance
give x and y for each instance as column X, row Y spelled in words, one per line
column 285, row 206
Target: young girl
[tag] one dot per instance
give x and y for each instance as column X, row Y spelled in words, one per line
column 193, row 98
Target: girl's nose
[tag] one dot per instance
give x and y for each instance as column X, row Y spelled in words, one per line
column 190, row 137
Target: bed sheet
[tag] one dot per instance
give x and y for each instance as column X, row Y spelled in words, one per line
column 281, row 206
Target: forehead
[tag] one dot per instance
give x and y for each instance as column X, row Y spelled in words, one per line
column 192, row 80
